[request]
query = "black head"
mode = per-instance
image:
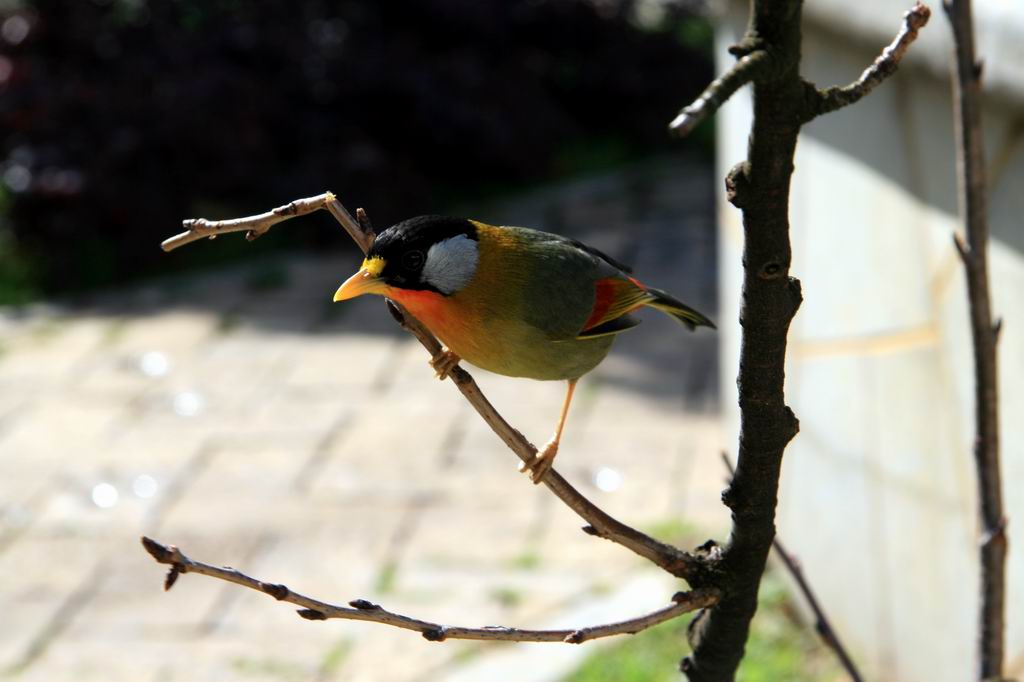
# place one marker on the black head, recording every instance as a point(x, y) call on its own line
point(409, 263)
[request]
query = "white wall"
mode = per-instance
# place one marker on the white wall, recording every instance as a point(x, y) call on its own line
point(878, 489)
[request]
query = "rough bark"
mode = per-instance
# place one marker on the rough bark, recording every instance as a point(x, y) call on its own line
point(760, 188)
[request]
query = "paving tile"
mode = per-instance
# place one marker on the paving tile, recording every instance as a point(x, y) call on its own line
point(53, 349)
point(47, 579)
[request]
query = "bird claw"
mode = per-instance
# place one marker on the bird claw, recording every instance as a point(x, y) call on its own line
point(444, 363)
point(539, 466)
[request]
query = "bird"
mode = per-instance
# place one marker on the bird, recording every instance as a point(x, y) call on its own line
point(511, 300)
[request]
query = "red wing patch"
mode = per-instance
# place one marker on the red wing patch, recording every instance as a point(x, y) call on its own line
point(614, 297)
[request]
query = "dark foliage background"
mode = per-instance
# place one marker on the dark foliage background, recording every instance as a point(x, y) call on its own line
point(120, 118)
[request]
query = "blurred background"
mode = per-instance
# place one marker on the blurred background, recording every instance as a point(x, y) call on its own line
point(122, 116)
point(215, 398)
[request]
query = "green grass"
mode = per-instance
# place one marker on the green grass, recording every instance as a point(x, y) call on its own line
point(466, 652)
point(114, 331)
point(528, 560)
point(674, 531)
point(386, 577)
point(269, 668)
point(335, 658)
point(19, 273)
point(697, 34)
point(508, 597)
point(651, 656)
point(779, 649)
point(228, 323)
point(48, 330)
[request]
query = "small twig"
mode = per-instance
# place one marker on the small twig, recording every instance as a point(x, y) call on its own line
point(745, 70)
point(255, 226)
point(821, 622)
point(673, 560)
point(971, 182)
point(884, 66)
point(361, 609)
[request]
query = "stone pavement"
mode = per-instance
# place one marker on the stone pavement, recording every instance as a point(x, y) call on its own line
point(247, 419)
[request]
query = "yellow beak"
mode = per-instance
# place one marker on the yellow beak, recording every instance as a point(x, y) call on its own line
point(366, 281)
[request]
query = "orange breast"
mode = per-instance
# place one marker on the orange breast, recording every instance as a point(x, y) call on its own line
point(455, 325)
point(426, 306)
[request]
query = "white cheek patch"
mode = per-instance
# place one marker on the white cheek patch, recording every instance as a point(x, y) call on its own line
point(451, 264)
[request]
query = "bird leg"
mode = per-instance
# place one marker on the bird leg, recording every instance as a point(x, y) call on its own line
point(443, 363)
point(541, 463)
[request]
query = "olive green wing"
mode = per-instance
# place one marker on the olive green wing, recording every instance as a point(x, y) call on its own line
point(573, 291)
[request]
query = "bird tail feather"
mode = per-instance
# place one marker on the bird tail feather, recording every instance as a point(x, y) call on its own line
point(677, 309)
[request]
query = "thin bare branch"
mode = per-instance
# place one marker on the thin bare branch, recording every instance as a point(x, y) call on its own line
point(361, 232)
point(361, 609)
point(745, 70)
point(255, 226)
point(835, 97)
point(984, 336)
point(821, 622)
point(673, 560)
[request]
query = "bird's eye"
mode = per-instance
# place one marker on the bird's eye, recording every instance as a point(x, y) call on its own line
point(413, 260)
